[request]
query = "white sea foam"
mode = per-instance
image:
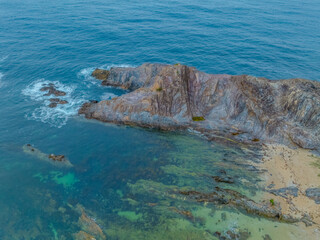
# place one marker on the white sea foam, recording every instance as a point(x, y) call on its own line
point(3, 58)
point(1, 83)
point(59, 115)
point(108, 96)
point(85, 74)
point(1, 74)
point(109, 66)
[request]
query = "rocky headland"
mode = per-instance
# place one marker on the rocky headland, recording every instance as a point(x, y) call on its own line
point(280, 116)
point(243, 108)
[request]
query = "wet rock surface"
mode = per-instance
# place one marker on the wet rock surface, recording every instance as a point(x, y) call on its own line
point(51, 90)
point(100, 74)
point(231, 234)
point(284, 192)
point(55, 101)
point(81, 235)
point(57, 160)
point(267, 237)
point(233, 198)
point(243, 108)
point(88, 226)
point(86, 106)
point(314, 193)
point(223, 177)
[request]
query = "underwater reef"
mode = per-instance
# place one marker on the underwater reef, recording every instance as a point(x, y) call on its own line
point(243, 108)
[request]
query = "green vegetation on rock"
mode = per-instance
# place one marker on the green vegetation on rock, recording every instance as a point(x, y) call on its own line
point(198, 118)
point(272, 202)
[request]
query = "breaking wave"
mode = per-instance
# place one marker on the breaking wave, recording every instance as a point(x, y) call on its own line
point(59, 115)
point(108, 96)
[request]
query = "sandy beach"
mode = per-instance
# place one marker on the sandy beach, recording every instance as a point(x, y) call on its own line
point(299, 168)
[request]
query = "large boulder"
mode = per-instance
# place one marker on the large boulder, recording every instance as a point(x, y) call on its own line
point(100, 74)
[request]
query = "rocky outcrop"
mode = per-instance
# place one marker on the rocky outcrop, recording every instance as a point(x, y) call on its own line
point(314, 193)
point(56, 160)
point(55, 101)
point(285, 192)
point(81, 235)
point(89, 228)
point(221, 196)
point(51, 90)
point(243, 108)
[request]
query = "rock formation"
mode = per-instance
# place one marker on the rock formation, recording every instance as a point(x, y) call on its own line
point(55, 101)
point(56, 160)
point(51, 90)
point(243, 108)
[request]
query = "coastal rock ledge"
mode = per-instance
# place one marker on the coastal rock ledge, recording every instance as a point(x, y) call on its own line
point(243, 108)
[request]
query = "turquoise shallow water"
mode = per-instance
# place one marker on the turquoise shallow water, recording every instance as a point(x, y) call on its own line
point(120, 174)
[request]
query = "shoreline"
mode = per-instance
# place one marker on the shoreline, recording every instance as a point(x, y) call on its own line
point(294, 169)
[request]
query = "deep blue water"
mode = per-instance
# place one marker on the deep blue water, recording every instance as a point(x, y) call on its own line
point(61, 42)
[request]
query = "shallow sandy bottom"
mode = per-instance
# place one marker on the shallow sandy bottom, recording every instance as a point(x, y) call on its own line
point(293, 167)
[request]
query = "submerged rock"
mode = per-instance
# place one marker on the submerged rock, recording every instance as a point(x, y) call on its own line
point(57, 160)
point(267, 237)
point(51, 90)
point(184, 213)
point(232, 234)
point(81, 235)
point(55, 101)
point(88, 224)
point(233, 198)
point(223, 177)
point(244, 108)
point(284, 192)
point(314, 193)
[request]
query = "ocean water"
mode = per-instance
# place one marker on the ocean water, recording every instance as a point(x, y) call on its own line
point(126, 179)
